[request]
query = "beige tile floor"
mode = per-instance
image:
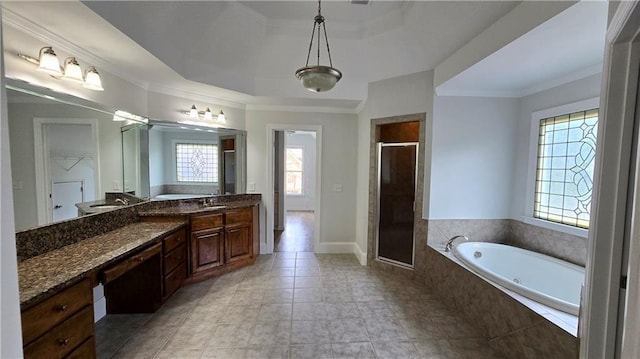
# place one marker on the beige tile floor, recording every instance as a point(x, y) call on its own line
point(296, 305)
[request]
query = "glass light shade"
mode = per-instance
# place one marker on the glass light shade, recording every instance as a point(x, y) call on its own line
point(193, 113)
point(208, 115)
point(221, 117)
point(92, 80)
point(318, 78)
point(49, 62)
point(72, 70)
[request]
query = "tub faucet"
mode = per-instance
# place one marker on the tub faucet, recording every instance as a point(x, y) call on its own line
point(447, 248)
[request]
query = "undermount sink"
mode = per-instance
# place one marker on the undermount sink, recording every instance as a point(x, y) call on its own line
point(105, 206)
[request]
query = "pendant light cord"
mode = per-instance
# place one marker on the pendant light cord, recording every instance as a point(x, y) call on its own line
point(319, 20)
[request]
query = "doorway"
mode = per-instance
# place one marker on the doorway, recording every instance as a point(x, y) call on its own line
point(293, 203)
point(294, 190)
point(66, 166)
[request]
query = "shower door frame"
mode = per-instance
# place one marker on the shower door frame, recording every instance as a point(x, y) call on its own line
point(415, 190)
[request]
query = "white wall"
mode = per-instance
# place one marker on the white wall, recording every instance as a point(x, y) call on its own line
point(305, 202)
point(472, 157)
point(397, 96)
point(339, 132)
point(572, 92)
point(10, 334)
point(156, 157)
point(22, 152)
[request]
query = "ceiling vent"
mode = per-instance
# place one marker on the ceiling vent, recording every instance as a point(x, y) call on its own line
point(360, 2)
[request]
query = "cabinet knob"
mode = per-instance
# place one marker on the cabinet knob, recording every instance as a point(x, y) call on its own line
point(63, 342)
point(61, 308)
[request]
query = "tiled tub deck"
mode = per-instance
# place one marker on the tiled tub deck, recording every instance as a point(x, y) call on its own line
point(514, 325)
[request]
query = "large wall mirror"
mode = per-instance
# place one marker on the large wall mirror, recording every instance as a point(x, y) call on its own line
point(67, 150)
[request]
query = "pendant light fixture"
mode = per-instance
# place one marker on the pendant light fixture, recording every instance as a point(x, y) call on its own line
point(318, 78)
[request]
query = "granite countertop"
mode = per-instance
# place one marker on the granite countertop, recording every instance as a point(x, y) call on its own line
point(44, 275)
point(189, 208)
point(98, 206)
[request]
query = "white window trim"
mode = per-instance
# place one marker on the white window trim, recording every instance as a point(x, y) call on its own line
point(533, 156)
point(304, 177)
point(174, 169)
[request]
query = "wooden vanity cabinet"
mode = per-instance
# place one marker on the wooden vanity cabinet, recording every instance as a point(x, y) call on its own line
point(61, 326)
point(175, 262)
point(237, 235)
point(223, 241)
point(207, 242)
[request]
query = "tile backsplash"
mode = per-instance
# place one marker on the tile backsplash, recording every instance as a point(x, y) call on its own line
point(508, 231)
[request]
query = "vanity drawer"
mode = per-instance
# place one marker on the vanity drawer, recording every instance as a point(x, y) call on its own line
point(174, 280)
point(85, 350)
point(63, 338)
point(206, 221)
point(173, 240)
point(236, 216)
point(175, 258)
point(44, 316)
point(128, 264)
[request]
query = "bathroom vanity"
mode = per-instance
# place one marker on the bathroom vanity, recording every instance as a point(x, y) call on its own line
point(143, 255)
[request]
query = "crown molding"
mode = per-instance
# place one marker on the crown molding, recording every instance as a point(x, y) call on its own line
point(199, 97)
point(33, 29)
point(304, 109)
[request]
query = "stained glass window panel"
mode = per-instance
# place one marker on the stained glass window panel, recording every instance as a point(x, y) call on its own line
point(564, 176)
point(196, 162)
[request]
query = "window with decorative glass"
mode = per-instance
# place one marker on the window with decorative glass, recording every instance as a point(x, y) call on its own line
point(565, 165)
point(294, 166)
point(197, 162)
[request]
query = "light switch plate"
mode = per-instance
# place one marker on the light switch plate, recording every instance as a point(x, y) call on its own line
point(251, 186)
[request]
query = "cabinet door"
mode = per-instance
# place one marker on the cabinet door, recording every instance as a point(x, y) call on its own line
point(238, 242)
point(206, 249)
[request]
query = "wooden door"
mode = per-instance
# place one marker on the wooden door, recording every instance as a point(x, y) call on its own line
point(207, 249)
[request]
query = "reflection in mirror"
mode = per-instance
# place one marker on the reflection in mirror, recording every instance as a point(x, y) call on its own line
point(64, 150)
point(193, 161)
point(135, 159)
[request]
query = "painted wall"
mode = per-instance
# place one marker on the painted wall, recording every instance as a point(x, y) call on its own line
point(397, 96)
point(10, 336)
point(472, 157)
point(305, 202)
point(572, 92)
point(22, 152)
point(339, 132)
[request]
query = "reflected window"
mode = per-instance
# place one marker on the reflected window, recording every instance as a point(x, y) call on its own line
point(196, 162)
point(294, 172)
point(565, 166)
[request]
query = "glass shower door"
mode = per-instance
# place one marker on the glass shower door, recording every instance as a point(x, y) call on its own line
point(396, 199)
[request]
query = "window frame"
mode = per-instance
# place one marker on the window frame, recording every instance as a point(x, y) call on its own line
point(302, 171)
point(536, 117)
point(174, 163)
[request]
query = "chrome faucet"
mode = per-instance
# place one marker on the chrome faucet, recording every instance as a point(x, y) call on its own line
point(124, 202)
point(447, 248)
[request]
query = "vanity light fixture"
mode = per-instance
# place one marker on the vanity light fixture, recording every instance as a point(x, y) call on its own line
point(205, 115)
point(193, 113)
point(47, 62)
point(72, 71)
point(318, 78)
point(92, 80)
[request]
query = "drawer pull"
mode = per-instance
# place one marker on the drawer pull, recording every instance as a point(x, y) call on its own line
point(139, 259)
point(63, 342)
point(62, 308)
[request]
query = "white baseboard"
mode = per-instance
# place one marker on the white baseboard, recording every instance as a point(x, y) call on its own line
point(336, 247)
point(360, 254)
